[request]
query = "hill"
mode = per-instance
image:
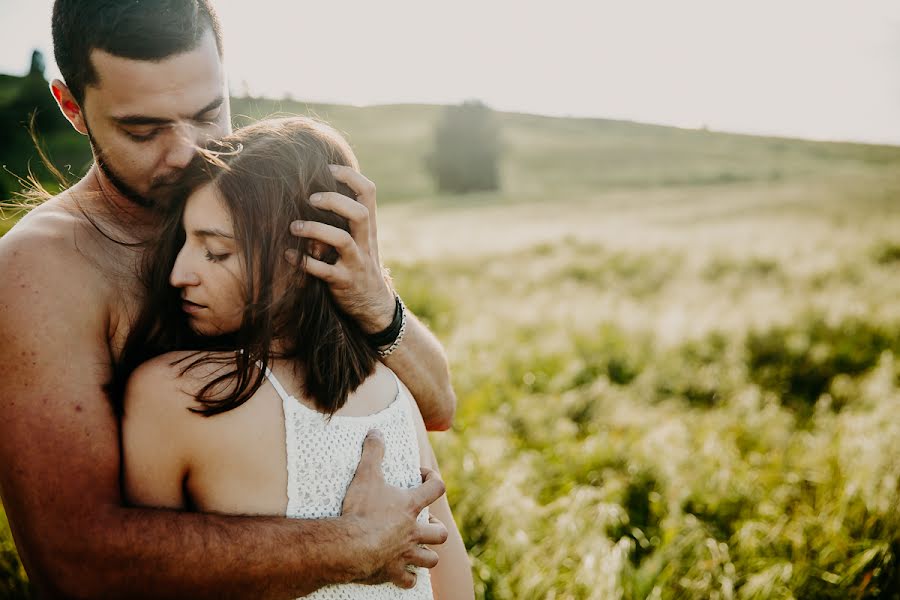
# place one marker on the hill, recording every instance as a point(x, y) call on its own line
point(543, 155)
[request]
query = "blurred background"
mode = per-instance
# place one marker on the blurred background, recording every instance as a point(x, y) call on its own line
point(661, 245)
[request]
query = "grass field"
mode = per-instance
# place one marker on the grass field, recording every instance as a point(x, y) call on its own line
point(676, 353)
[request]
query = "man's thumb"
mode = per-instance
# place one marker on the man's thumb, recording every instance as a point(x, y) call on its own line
point(372, 451)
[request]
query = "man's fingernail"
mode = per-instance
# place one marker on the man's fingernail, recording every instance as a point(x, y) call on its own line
point(297, 226)
point(333, 168)
point(315, 198)
point(375, 434)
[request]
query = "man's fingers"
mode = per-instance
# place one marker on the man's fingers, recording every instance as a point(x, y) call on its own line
point(404, 579)
point(348, 208)
point(327, 234)
point(356, 181)
point(372, 452)
point(423, 556)
point(431, 489)
point(356, 214)
point(433, 533)
point(330, 274)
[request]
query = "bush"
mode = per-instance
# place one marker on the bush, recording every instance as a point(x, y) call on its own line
point(887, 253)
point(800, 363)
point(466, 150)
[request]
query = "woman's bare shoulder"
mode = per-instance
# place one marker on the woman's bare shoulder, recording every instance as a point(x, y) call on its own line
point(168, 383)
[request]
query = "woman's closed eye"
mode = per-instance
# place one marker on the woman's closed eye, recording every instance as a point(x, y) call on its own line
point(216, 257)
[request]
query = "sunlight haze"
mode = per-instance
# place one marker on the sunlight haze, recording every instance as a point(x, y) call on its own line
point(821, 70)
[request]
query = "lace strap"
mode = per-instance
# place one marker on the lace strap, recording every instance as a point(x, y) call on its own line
point(279, 389)
point(400, 392)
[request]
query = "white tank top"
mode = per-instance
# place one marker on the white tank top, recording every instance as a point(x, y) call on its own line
point(322, 456)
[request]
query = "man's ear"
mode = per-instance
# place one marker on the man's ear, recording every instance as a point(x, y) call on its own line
point(69, 107)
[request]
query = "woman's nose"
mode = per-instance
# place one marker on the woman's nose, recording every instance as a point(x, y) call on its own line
point(182, 274)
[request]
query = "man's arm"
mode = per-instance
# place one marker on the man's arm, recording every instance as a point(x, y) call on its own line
point(358, 286)
point(59, 471)
point(421, 364)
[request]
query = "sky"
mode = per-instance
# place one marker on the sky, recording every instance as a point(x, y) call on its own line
point(818, 69)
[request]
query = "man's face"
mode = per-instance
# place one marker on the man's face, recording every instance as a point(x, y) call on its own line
point(145, 119)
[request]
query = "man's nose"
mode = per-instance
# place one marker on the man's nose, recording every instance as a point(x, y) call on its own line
point(182, 274)
point(184, 143)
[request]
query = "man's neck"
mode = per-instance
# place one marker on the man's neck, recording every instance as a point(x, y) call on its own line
point(101, 199)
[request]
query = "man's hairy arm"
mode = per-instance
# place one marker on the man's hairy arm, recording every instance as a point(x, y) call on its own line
point(59, 466)
point(420, 362)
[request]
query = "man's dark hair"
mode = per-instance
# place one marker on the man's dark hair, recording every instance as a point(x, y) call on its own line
point(137, 29)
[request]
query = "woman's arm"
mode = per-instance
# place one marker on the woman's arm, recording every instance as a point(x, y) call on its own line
point(452, 577)
point(154, 471)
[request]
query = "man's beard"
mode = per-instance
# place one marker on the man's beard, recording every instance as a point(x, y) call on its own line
point(127, 190)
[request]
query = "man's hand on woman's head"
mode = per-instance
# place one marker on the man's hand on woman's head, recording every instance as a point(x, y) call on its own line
point(387, 517)
point(356, 279)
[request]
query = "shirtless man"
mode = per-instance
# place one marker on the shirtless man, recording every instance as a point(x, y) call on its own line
point(145, 82)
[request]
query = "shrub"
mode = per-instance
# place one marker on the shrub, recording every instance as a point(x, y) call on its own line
point(466, 150)
point(800, 362)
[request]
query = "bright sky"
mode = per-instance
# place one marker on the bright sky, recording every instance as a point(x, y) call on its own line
point(822, 69)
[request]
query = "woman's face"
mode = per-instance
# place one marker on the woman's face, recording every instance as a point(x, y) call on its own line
point(209, 270)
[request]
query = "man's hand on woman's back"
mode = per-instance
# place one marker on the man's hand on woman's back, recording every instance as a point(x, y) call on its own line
point(387, 515)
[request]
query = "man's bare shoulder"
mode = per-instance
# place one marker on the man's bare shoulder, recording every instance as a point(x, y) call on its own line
point(46, 241)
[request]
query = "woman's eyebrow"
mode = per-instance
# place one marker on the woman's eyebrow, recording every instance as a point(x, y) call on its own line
point(212, 232)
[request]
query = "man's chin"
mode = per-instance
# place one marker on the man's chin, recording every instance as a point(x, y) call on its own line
point(164, 196)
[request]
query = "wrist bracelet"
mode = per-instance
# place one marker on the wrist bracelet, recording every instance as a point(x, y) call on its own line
point(384, 352)
point(392, 332)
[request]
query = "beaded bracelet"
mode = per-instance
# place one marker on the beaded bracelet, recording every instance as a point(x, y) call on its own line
point(386, 341)
point(387, 351)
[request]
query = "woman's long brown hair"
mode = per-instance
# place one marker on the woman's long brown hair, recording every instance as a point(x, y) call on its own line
point(264, 174)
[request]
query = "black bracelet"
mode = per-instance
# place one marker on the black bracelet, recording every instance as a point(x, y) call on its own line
point(389, 335)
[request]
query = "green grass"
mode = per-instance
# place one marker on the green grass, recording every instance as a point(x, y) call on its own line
point(675, 353)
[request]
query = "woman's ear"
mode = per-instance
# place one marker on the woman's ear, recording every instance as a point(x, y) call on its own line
point(71, 110)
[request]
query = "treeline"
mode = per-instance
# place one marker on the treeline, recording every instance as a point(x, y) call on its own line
point(464, 154)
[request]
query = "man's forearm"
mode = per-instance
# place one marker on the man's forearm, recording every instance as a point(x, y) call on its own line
point(421, 364)
point(158, 553)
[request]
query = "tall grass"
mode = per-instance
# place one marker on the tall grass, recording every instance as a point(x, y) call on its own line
point(676, 353)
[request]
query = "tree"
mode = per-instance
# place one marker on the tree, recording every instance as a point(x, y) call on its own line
point(466, 152)
point(33, 98)
point(38, 64)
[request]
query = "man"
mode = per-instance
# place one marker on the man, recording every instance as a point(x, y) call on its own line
point(144, 82)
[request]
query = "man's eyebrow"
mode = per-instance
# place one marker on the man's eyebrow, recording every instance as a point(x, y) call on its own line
point(211, 106)
point(147, 120)
point(212, 232)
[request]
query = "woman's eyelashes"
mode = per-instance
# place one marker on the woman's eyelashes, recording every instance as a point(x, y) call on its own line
point(216, 257)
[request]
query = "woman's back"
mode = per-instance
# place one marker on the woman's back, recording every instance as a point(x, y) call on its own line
point(246, 448)
point(277, 455)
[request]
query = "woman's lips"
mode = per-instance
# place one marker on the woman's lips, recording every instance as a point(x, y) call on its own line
point(191, 307)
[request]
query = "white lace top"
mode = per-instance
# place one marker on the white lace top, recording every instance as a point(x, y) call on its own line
point(322, 456)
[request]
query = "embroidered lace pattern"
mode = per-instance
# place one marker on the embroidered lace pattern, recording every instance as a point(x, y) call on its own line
point(322, 456)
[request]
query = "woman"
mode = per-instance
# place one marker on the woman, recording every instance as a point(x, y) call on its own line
point(261, 391)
